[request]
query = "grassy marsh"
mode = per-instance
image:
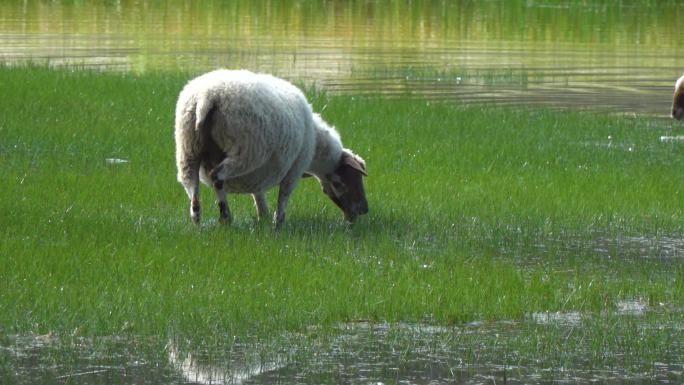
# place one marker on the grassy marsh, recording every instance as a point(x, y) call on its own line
point(478, 213)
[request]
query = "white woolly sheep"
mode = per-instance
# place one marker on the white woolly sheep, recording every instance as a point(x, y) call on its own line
point(241, 132)
point(678, 99)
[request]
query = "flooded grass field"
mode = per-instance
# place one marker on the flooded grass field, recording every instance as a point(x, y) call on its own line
point(509, 241)
point(533, 261)
point(564, 348)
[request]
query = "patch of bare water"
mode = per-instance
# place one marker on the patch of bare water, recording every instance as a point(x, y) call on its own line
point(625, 307)
point(659, 249)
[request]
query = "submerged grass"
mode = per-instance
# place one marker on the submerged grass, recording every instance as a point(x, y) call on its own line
point(477, 213)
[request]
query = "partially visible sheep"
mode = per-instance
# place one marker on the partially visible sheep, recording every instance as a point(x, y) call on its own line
point(242, 132)
point(678, 99)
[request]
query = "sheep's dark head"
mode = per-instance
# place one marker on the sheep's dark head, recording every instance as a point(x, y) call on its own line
point(678, 99)
point(345, 185)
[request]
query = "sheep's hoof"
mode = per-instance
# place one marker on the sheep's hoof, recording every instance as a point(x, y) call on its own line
point(225, 220)
point(195, 216)
point(278, 221)
point(195, 209)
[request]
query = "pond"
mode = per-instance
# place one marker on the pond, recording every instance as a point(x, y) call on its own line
point(620, 57)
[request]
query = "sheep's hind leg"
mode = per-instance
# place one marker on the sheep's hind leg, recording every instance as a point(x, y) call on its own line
point(227, 169)
point(195, 206)
point(188, 176)
point(224, 211)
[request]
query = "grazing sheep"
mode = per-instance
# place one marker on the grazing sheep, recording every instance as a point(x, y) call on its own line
point(242, 132)
point(678, 99)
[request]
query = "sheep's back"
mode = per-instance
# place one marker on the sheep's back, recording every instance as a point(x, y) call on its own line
point(262, 124)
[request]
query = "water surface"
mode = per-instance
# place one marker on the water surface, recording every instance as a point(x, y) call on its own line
point(617, 56)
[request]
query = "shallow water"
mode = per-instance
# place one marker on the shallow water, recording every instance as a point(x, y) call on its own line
point(622, 57)
point(545, 348)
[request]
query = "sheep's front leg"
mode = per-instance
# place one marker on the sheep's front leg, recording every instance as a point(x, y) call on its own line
point(224, 211)
point(260, 204)
point(286, 188)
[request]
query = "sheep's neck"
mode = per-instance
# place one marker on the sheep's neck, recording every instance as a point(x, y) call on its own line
point(326, 157)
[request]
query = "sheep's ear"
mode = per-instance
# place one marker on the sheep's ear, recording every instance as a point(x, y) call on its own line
point(354, 161)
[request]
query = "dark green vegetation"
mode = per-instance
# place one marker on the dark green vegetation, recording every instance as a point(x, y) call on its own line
point(478, 213)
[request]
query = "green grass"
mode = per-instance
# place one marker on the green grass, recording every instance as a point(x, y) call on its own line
point(474, 211)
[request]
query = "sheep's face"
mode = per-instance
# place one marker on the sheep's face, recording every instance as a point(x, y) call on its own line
point(678, 100)
point(345, 186)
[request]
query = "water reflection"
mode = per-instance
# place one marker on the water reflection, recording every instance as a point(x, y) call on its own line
point(622, 56)
point(624, 247)
point(240, 366)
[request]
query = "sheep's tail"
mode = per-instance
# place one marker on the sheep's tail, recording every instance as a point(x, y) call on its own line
point(203, 107)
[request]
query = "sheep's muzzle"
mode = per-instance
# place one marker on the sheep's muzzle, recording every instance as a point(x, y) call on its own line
point(355, 209)
point(345, 188)
point(352, 201)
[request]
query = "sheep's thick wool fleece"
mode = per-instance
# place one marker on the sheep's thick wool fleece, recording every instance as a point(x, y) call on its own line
point(262, 124)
